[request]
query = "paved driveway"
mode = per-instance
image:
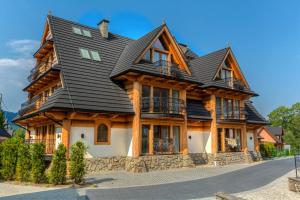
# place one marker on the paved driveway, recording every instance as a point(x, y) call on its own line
point(238, 181)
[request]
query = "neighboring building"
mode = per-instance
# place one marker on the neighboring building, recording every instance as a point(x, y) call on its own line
point(4, 135)
point(131, 98)
point(269, 134)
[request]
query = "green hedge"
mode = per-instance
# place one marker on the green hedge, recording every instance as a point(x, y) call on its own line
point(9, 156)
point(38, 162)
point(77, 164)
point(23, 163)
point(58, 170)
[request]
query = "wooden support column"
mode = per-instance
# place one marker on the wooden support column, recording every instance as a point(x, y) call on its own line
point(223, 139)
point(65, 135)
point(185, 149)
point(151, 136)
point(136, 132)
point(214, 134)
point(27, 133)
point(244, 138)
point(255, 137)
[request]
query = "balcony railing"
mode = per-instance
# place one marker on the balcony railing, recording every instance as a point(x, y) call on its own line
point(233, 83)
point(232, 115)
point(162, 105)
point(169, 68)
point(38, 70)
point(30, 105)
point(49, 144)
point(35, 103)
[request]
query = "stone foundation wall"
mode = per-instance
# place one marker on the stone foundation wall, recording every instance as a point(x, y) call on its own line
point(96, 165)
point(157, 162)
point(221, 159)
point(164, 162)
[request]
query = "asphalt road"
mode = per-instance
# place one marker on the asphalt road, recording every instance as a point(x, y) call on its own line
point(234, 182)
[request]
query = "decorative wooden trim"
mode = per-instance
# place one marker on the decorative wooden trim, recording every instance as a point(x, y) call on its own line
point(107, 123)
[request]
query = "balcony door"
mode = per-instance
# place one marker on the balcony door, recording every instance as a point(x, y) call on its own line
point(161, 100)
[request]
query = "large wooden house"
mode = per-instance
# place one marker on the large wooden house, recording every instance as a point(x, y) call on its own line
point(137, 99)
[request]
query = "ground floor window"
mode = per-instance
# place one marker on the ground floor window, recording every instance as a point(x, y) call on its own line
point(165, 139)
point(232, 140)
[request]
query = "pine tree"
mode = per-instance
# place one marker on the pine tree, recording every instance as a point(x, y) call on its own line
point(2, 120)
point(58, 170)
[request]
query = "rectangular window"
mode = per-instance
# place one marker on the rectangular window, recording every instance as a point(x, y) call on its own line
point(219, 137)
point(146, 98)
point(86, 33)
point(77, 30)
point(176, 139)
point(218, 107)
point(145, 139)
point(95, 55)
point(85, 53)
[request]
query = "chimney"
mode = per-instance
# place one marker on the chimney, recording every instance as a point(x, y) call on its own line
point(103, 27)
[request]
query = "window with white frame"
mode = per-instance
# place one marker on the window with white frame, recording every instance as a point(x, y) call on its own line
point(90, 54)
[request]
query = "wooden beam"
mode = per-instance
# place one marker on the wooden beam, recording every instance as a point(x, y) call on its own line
point(136, 128)
point(66, 128)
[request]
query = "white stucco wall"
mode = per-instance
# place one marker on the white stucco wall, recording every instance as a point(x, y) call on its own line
point(119, 145)
point(200, 141)
point(250, 140)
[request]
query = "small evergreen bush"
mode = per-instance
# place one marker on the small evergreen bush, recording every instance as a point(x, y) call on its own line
point(9, 154)
point(23, 163)
point(77, 164)
point(58, 169)
point(38, 162)
point(268, 150)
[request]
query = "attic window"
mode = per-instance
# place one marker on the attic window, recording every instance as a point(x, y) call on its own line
point(80, 31)
point(90, 54)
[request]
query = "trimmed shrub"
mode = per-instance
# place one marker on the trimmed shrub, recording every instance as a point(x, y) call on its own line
point(77, 164)
point(58, 169)
point(9, 156)
point(38, 162)
point(23, 163)
point(268, 150)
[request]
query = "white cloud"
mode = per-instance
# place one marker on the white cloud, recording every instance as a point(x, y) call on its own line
point(23, 63)
point(25, 47)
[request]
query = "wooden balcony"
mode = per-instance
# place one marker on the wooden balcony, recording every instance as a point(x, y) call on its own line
point(232, 115)
point(233, 83)
point(39, 70)
point(162, 107)
point(49, 144)
point(169, 69)
point(34, 104)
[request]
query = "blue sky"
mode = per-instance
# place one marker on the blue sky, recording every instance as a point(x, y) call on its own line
point(264, 35)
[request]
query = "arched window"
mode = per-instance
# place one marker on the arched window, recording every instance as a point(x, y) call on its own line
point(102, 134)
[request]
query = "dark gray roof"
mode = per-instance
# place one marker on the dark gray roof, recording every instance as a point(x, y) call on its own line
point(205, 67)
point(196, 110)
point(4, 133)
point(87, 85)
point(252, 115)
point(134, 49)
point(276, 131)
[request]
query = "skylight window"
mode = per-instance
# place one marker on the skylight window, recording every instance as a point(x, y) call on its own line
point(85, 53)
point(80, 31)
point(95, 55)
point(86, 33)
point(77, 30)
point(89, 54)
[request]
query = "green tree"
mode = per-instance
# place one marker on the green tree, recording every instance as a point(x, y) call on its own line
point(38, 162)
point(23, 162)
point(289, 119)
point(77, 164)
point(9, 156)
point(58, 170)
point(20, 132)
point(2, 119)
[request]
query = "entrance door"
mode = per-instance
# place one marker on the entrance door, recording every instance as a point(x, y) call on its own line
point(250, 141)
point(58, 137)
